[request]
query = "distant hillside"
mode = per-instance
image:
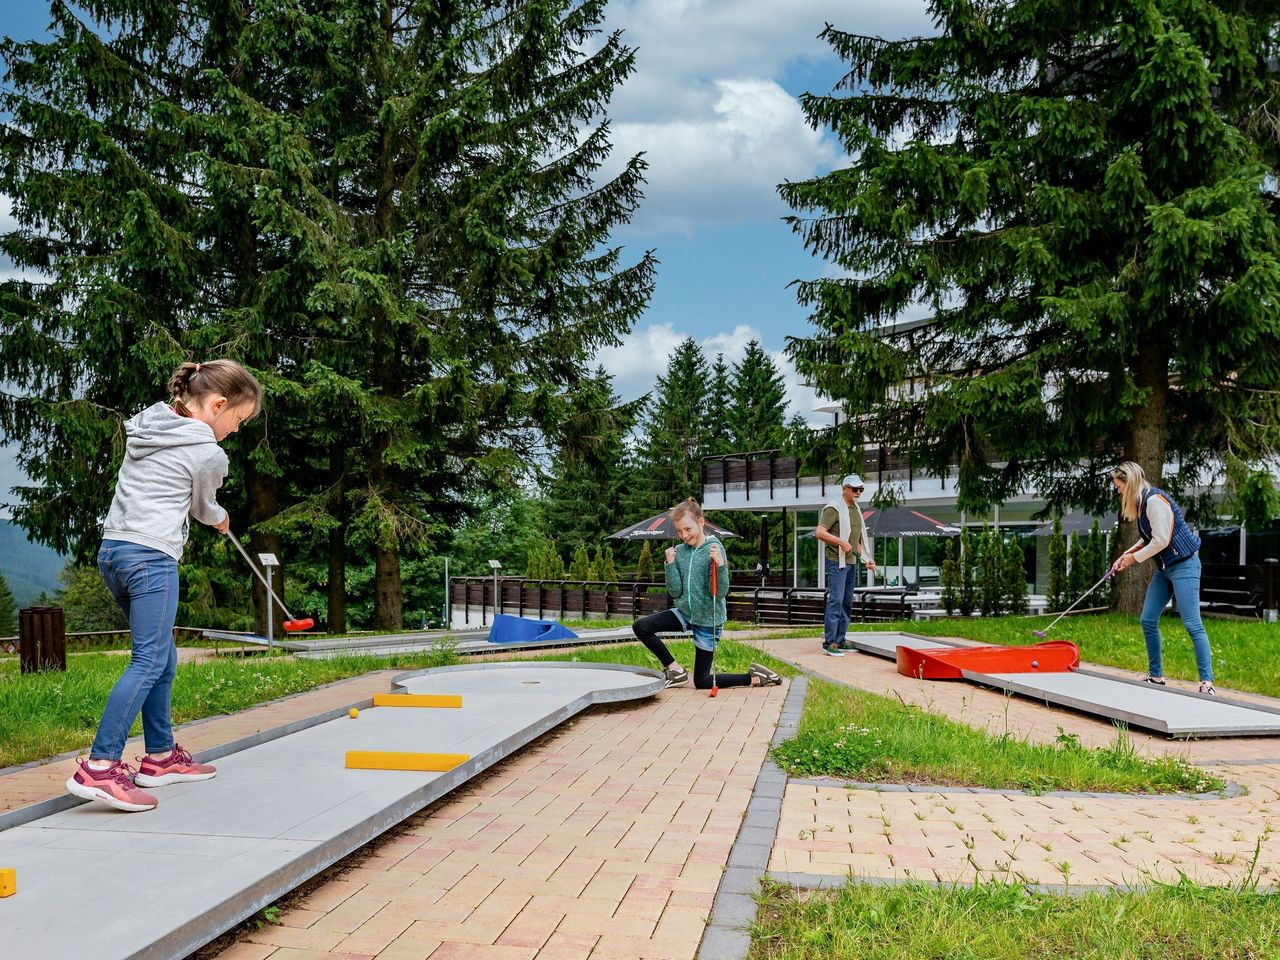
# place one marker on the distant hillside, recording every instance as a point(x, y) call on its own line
point(27, 567)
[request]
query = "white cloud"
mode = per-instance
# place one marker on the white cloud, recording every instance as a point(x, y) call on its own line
point(705, 105)
point(722, 159)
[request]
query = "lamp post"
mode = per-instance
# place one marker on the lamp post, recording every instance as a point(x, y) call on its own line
point(497, 603)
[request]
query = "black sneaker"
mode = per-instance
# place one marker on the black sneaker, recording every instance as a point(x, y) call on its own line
point(767, 677)
point(676, 675)
point(1158, 681)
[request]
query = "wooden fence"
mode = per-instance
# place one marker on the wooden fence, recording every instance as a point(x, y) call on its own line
point(583, 599)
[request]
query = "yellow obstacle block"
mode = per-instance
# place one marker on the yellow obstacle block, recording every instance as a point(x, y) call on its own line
point(391, 760)
point(417, 700)
point(8, 881)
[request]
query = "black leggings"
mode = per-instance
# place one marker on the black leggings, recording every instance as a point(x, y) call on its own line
point(647, 630)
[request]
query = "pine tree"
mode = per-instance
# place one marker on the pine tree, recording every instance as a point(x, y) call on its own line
point(8, 611)
point(758, 407)
point(555, 563)
point(644, 566)
point(1085, 198)
point(535, 567)
point(674, 432)
point(950, 578)
point(719, 410)
point(580, 566)
point(591, 477)
point(1015, 578)
point(1058, 584)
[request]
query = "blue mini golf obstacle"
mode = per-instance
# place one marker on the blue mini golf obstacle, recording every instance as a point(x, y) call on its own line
point(509, 629)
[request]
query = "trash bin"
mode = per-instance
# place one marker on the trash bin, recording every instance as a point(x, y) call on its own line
point(42, 639)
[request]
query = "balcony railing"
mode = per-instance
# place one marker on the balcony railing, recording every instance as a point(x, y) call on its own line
point(772, 467)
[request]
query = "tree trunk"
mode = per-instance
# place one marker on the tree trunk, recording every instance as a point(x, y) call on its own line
point(264, 503)
point(1145, 446)
point(388, 603)
point(338, 543)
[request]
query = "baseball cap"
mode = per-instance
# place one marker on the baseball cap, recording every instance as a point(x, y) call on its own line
point(852, 480)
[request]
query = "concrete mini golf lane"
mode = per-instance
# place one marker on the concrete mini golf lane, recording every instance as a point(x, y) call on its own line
point(1173, 712)
point(160, 884)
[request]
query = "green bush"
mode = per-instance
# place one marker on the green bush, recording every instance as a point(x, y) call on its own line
point(644, 566)
point(1015, 578)
point(950, 577)
point(1057, 568)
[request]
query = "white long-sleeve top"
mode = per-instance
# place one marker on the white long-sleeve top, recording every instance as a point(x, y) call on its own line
point(1160, 516)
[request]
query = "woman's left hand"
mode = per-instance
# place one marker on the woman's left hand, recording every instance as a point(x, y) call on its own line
point(716, 555)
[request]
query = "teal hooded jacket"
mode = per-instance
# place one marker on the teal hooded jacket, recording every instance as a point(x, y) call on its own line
point(689, 582)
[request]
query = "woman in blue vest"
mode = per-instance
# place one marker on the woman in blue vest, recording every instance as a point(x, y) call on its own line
point(1168, 540)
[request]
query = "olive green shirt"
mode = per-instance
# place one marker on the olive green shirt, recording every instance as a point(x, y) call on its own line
point(830, 518)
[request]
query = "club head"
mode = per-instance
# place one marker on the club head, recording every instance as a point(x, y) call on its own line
point(306, 623)
point(1038, 633)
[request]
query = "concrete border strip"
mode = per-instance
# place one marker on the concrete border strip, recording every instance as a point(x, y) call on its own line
point(728, 936)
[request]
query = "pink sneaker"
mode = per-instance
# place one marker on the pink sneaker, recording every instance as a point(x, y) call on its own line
point(178, 767)
point(113, 786)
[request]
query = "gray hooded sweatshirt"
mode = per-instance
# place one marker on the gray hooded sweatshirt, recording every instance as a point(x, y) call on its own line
point(172, 467)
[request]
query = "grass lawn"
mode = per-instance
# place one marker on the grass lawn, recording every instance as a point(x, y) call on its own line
point(1246, 653)
point(998, 921)
point(864, 736)
point(45, 714)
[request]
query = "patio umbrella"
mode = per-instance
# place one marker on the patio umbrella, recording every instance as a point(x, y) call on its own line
point(905, 522)
point(662, 527)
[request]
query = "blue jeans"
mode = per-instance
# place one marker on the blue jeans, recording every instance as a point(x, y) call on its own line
point(145, 584)
point(1182, 581)
point(840, 587)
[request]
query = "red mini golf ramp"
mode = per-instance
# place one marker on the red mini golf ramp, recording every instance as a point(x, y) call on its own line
point(951, 663)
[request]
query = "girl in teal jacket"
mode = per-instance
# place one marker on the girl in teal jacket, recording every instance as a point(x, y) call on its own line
point(698, 609)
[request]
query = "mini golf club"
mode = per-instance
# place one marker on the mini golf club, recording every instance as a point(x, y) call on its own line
point(292, 624)
point(1105, 577)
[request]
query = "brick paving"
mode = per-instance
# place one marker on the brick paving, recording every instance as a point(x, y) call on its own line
point(1040, 839)
point(604, 839)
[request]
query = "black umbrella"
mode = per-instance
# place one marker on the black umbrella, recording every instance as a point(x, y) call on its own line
point(662, 527)
point(905, 522)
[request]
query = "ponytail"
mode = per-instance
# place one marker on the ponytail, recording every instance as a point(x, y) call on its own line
point(191, 381)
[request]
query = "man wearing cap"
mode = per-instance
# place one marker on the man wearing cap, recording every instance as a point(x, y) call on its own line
point(844, 533)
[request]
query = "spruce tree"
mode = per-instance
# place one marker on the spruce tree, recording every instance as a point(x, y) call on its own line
point(1084, 199)
point(591, 478)
point(1078, 571)
point(673, 433)
point(758, 406)
point(990, 573)
point(719, 407)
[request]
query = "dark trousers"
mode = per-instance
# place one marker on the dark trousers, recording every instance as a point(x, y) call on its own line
point(647, 630)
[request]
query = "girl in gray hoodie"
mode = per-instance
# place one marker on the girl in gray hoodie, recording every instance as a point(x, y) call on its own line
point(172, 470)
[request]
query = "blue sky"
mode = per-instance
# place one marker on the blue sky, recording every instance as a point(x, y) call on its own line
point(713, 106)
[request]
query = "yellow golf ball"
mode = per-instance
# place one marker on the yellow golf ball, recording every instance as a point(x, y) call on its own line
point(353, 713)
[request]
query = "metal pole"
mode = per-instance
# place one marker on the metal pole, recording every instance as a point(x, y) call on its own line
point(448, 602)
point(497, 602)
point(271, 622)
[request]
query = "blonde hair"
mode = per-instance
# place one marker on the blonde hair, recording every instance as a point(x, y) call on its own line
point(191, 381)
point(687, 506)
point(1135, 485)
